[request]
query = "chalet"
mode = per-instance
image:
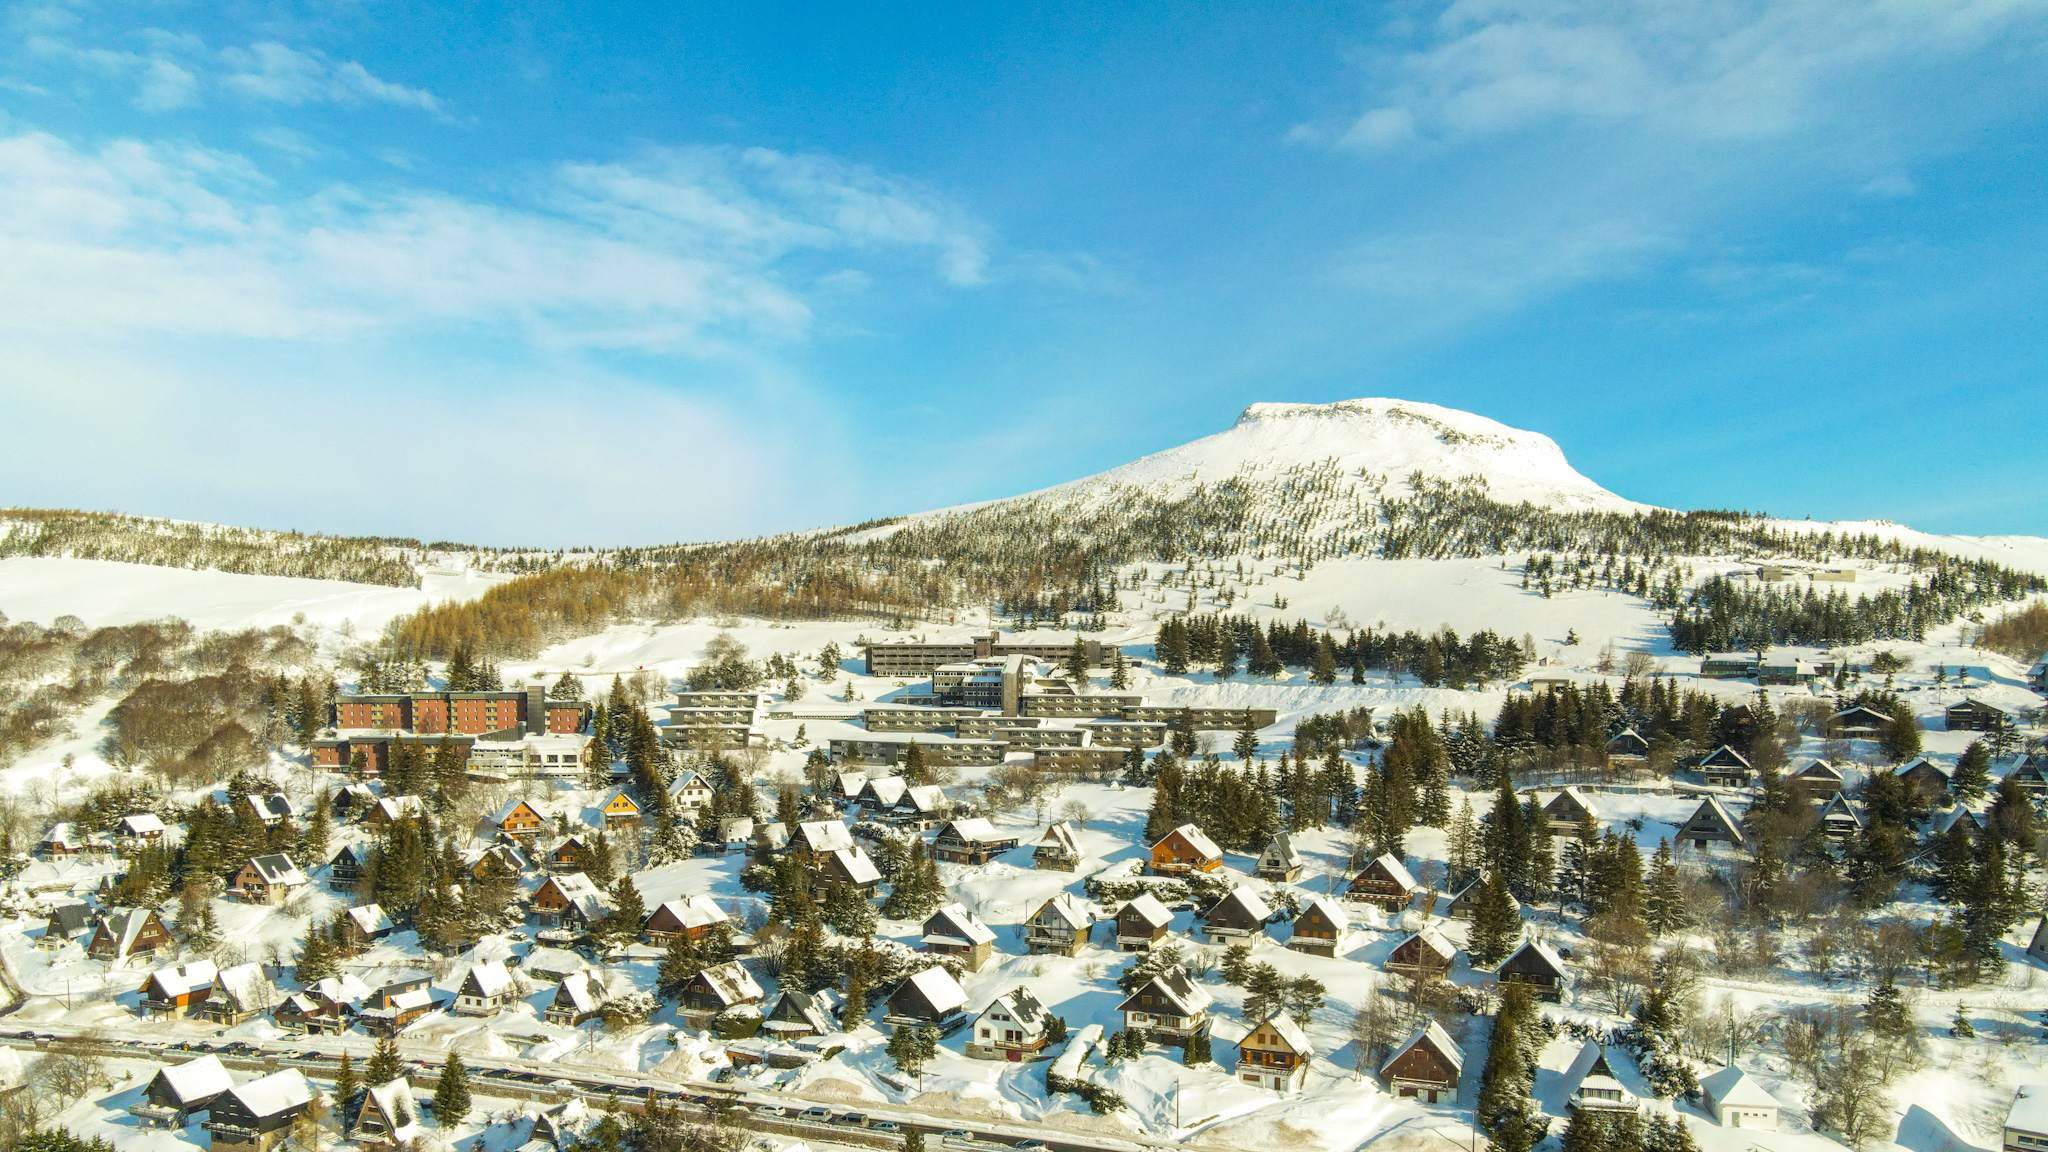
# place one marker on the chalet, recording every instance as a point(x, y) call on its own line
point(486, 988)
point(924, 805)
point(1275, 1055)
point(565, 894)
point(928, 997)
point(1839, 820)
point(1957, 814)
point(267, 880)
point(847, 787)
point(1929, 778)
point(240, 993)
point(970, 841)
point(500, 861)
point(364, 926)
point(1385, 882)
point(257, 1116)
point(1710, 822)
point(1168, 1008)
point(141, 828)
point(67, 922)
point(1535, 965)
point(520, 818)
point(618, 809)
point(1736, 1100)
point(176, 991)
point(794, 1015)
point(1061, 925)
point(1184, 850)
point(1426, 1067)
point(954, 931)
point(720, 987)
point(351, 801)
point(692, 916)
point(1974, 715)
point(1239, 914)
point(1424, 954)
point(1465, 904)
point(384, 1116)
point(1011, 1028)
point(392, 809)
point(395, 1006)
point(327, 1007)
point(1057, 850)
point(567, 855)
point(1861, 722)
point(821, 838)
point(1566, 809)
point(1319, 929)
point(1627, 748)
point(579, 997)
point(734, 833)
point(1724, 767)
point(175, 1093)
point(2026, 1120)
point(60, 842)
point(1279, 861)
point(691, 792)
point(346, 868)
point(2031, 774)
point(1591, 1084)
point(850, 866)
point(1784, 669)
point(771, 839)
point(272, 810)
point(1141, 923)
point(1815, 782)
point(125, 934)
point(880, 794)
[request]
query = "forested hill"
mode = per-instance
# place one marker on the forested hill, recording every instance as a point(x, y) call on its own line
point(176, 544)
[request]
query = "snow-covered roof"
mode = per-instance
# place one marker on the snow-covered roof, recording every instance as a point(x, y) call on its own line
point(824, 836)
point(273, 1094)
point(1179, 990)
point(954, 924)
point(1582, 1073)
point(370, 919)
point(546, 962)
point(1731, 1085)
point(278, 870)
point(490, 978)
point(696, 911)
point(1396, 871)
point(939, 989)
point(394, 1099)
point(924, 798)
point(1818, 770)
point(1196, 839)
point(1289, 1032)
point(126, 924)
point(196, 1079)
point(731, 982)
point(185, 978)
point(811, 1009)
point(399, 807)
point(1069, 908)
point(60, 834)
point(2029, 1111)
point(851, 783)
point(1147, 905)
point(1059, 836)
point(1331, 910)
point(1438, 1039)
point(510, 806)
point(141, 824)
point(347, 988)
point(859, 869)
point(582, 992)
point(975, 830)
point(573, 886)
point(1244, 898)
point(1542, 950)
point(1281, 849)
point(1021, 1006)
point(886, 790)
point(1433, 940)
point(1923, 762)
point(245, 986)
point(1577, 797)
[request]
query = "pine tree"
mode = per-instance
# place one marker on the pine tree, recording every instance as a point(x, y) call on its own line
point(316, 960)
point(622, 925)
point(344, 1081)
point(1972, 777)
point(1664, 903)
point(1077, 664)
point(1246, 745)
point(568, 687)
point(1323, 669)
point(1119, 671)
point(1196, 1054)
point(1358, 668)
point(913, 1138)
point(855, 1012)
point(1462, 847)
point(915, 771)
point(1496, 923)
point(1959, 1025)
point(384, 1065)
point(1954, 864)
point(680, 963)
point(451, 1094)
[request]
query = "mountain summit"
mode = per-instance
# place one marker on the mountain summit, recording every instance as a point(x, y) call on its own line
point(1383, 440)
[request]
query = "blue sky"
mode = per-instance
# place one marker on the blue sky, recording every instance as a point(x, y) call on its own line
point(534, 274)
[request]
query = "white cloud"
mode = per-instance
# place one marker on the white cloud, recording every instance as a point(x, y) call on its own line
point(274, 72)
point(166, 87)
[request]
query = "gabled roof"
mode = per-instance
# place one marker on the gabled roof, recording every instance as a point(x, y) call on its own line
point(274, 1094)
point(1020, 1005)
point(370, 919)
point(803, 1006)
point(347, 988)
point(71, 919)
point(859, 869)
point(1840, 806)
point(61, 835)
point(1915, 765)
point(1819, 770)
point(851, 783)
point(1178, 989)
point(939, 990)
point(1725, 757)
point(126, 925)
point(582, 992)
point(277, 869)
point(1626, 734)
point(1395, 870)
point(973, 830)
point(687, 779)
point(1146, 905)
point(488, 979)
point(1590, 1067)
point(399, 807)
point(615, 796)
point(1195, 839)
point(1290, 1033)
point(886, 790)
point(823, 836)
point(1281, 850)
point(1059, 836)
point(349, 853)
point(1433, 1033)
point(196, 1080)
point(244, 987)
point(1541, 951)
point(1433, 940)
point(505, 813)
point(1716, 814)
point(1066, 906)
point(1577, 797)
point(954, 924)
point(1943, 821)
point(141, 824)
point(572, 886)
point(1731, 1085)
point(274, 806)
point(691, 912)
point(1246, 902)
point(924, 798)
point(1331, 910)
point(731, 983)
point(185, 979)
point(395, 1101)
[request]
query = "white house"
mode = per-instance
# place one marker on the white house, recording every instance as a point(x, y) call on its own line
point(1736, 1100)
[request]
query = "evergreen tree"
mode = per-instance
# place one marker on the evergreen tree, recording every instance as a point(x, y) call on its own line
point(1506, 1113)
point(1972, 777)
point(1496, 924)
point(451, 1094)
point(345, 1081)
point(1664, 903)
point(913, 1138)
point(317, 960)
point(1323, 669)
point(1959, 1025)
point(384, 1065)
point(622, 925)
point(1246, 744)
point(855, 1011)
point(681, 961)
point(1196, 1054)
point(567, 687)
point(1077, 665)
point(1119, 671)
point(916, 773)
point(1955, 863)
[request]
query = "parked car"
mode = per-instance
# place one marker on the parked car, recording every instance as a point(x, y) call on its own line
point(885, 1126)
point(816, 1115)
point(857, 1119)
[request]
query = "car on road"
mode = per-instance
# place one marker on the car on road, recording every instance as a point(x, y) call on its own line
point(856, 1119)
point(956, 1136)
point(1031, 1146)
point(816, 1115)
point(885, 1126)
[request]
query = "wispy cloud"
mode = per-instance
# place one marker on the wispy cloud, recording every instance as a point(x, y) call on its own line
point(274, 72)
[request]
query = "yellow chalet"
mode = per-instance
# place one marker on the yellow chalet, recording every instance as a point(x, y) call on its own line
point(519, 818)
point(619, 809)
point(1185, 849)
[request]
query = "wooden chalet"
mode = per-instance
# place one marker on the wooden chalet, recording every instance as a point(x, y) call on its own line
point(970, 841)
point(1426, 1067)
point(1426, 953)
point(485, 989)
point(500, 861)
point(850, 866)
point(346, 868)
point(1385, 882)
point(1839, 820)
point(394, 1007)
point(618, 809)
point(1465, 904)
point(924, 805)
point(1275, 1055)
point(563, 895)
point(520, 818)
point(383, 1116)
point(2031, 774)
point(1973, 715)
point(1060, 926)
point(239, 994)
point(391, 809)
point(928, 997)
point(177, 1093)
point(1710, 823)
point(1592, 1086)
point(2037, 946)
point(1565, 809)
point(1184, 850)
point(579, 997)
point(363, 926)
point(1929, 778)
point(954, 931)
point(61, 842)
point(1142, 922)
point(1012, 1028)
point(691, 792)
point(793, 1015)
point(1815, 781)
point(1238, 915)
point(1319, 929)
point(568, 855)
point(271, 810)
point(141, 829)
point(720, 987)
point(880, 794)
point(1958, 813)
point(1279, 861)
point(1724, 767)
point(847, 787)
point(820, 838)
point(267, 880)
point(124, 935)
point(1861, 722)
point(257, 1116)
point(67, 922)
point(176, 991)
point(1535, 965)
point(1168, 1008)
point(1627, 749)
point(1057, 850)
point(692, 916)
point(351, 801)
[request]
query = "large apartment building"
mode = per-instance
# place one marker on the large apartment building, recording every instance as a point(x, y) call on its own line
point(526, 711)
point(915, 661)
point(705, 721)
